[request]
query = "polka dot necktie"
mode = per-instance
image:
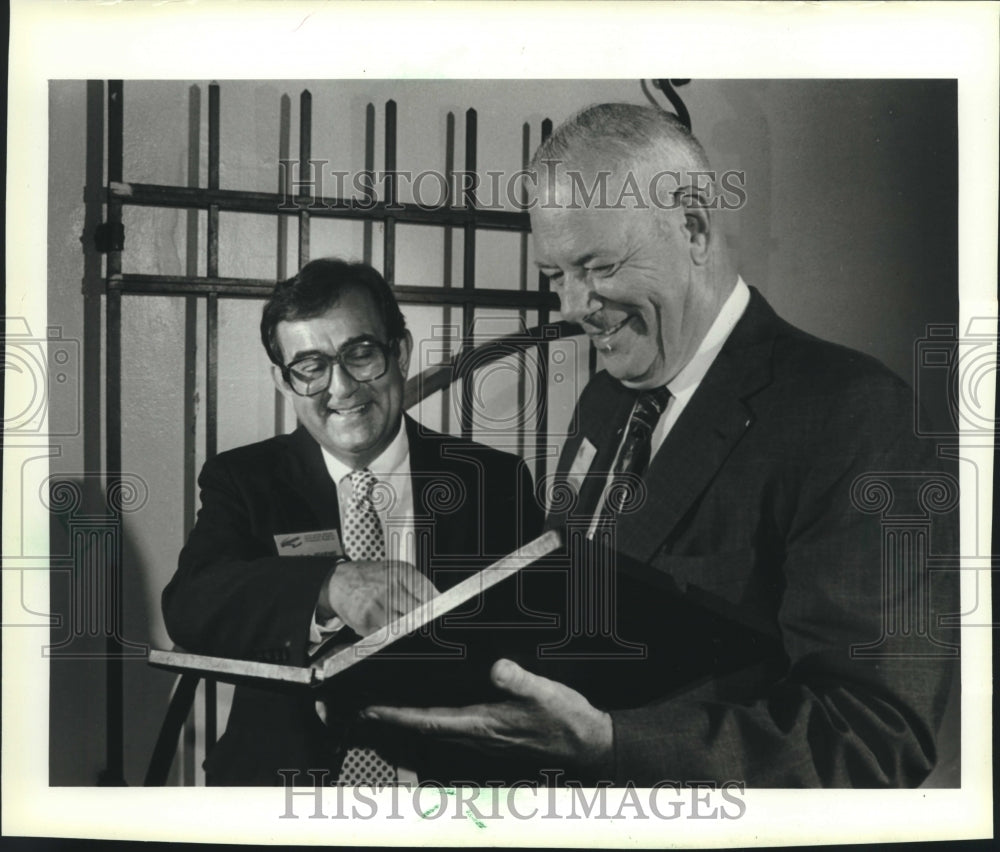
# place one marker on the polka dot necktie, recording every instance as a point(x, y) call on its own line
point(364, 540)
point(622, 494)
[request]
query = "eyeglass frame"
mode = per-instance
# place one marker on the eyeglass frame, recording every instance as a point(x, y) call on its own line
point(388, 350)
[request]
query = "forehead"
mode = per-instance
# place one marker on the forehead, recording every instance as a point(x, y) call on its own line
point(568, 231)
point(355, 314)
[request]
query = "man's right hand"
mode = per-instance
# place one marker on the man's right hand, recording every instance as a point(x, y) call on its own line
point(368, 595)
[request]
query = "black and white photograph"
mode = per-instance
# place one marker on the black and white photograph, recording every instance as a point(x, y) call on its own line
point(496, 455)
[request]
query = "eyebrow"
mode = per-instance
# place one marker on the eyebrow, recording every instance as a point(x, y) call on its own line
point(358, 338)
point(580, 261)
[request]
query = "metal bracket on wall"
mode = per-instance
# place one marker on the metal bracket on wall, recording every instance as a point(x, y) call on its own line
point(670, 92)
point(109, 236)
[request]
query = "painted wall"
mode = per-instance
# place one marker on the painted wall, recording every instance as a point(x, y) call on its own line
point(850, 230)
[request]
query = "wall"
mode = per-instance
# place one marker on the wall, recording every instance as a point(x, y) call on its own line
point(849, 230)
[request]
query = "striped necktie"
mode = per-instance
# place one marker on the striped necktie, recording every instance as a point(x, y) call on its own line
point(633, 459)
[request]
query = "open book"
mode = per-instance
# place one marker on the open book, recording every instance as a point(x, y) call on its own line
point(332, 663)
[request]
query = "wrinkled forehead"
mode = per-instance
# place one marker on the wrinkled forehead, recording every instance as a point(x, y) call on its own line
point(555, 181)
point(607, 182)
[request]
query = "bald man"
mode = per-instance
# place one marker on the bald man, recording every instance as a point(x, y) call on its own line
point(713, 471)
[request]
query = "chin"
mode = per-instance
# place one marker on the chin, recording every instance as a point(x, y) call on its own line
point(634, 378)
point(624, 369)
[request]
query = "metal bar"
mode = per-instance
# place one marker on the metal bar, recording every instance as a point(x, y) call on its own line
point(213, 136)
point(305, 162)
point(168, 285)
point(284, 156)
point(191, 314)
point(166, 743)
point(391, 194)
point(114, 771)
point(284, 181)
point(211, 713)
point(447, 260)
point(212, 374)
point(213, 178)
point(542, 364)
point(212, 348)
point(213, 242)
point(440, 376)
point(257, 288)
point(366, 209)
point(468, 267)
point(211, 447)
point(366, 249)
point(522, 272)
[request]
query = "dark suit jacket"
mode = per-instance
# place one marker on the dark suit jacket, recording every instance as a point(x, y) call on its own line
point(233, 596)
point(761, 571)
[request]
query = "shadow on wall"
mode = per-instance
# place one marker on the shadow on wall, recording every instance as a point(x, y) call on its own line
point(94, 652)
point(743, 141)
point(104, 708)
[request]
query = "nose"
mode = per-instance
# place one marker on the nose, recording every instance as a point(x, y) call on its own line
point(342, 385)
point(577, 298)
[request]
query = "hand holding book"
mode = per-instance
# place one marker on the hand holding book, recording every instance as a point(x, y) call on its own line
point(533, 714)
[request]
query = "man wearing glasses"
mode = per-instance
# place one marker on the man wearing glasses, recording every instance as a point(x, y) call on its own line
point(335, 530)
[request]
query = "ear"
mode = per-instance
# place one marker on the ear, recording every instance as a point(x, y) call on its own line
point(280, 383)
point(698, 222)
point(405, 350)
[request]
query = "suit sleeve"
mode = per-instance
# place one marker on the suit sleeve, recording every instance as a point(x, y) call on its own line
point(836, 717)
point(231, 596)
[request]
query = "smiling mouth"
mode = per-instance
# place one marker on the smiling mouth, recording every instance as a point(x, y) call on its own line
point(354, 409)
point(603, 339)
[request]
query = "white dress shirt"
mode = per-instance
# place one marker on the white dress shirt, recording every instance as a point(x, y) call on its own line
point(686, 382)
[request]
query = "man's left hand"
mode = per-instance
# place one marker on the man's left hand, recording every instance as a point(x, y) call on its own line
point(540, 716)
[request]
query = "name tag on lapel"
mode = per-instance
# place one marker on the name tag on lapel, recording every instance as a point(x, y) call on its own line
point(315, 543)
point(581, 464)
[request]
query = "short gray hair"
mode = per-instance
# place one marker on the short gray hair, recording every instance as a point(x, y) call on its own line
point(627, 133)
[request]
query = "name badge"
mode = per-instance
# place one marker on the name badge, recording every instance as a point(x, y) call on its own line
point(581, 464)
point(316, 543)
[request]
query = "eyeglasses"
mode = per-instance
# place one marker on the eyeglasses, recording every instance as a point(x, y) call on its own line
point(363, 361)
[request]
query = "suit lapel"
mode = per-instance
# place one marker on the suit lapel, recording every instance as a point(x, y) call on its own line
point(709, 428)
point(711, 425)
point(605, 432)
point(430, 471)
point(423, 462)
point(306, 474)
point(589, 451)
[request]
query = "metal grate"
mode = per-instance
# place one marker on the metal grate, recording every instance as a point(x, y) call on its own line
point(303, 207)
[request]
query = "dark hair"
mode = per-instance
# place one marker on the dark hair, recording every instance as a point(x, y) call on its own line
point(316, 289)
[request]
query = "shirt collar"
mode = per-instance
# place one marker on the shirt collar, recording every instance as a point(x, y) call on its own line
point(718, 333)
point(392, 460)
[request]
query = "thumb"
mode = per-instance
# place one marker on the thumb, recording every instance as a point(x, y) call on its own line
point(511, 678)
